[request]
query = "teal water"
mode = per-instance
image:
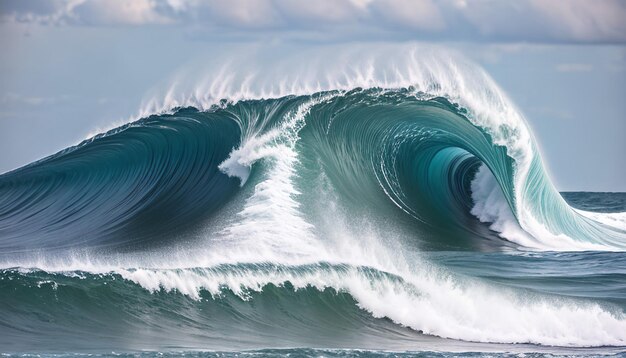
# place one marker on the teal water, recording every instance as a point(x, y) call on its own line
point(365, 222)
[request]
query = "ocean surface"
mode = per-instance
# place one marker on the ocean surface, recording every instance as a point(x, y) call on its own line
point(360, 221)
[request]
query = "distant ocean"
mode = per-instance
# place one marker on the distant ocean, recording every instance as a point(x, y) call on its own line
point(365, 221)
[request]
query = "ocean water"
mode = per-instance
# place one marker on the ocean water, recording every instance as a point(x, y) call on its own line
point(371, 220)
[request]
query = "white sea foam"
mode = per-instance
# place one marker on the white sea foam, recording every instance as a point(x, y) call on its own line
point(490, 206)
point(384, 282)
point(435, 303)
point(429, 70)
point(427, 299)
point(270, 227)
point(270, 220)
point(616, 220)
point(382, 279)
point(435, 71)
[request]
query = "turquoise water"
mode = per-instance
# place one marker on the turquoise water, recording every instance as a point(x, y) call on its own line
point(341, 223)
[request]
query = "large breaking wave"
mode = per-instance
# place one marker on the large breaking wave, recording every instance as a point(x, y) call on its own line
point(333, 185)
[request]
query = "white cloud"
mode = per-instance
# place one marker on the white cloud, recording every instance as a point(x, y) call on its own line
point(412, 14)
point(535, 21)
point(584, 20)
point(327, 11)
point(136, 12)
point(239, 13)
point(54, 12)
point(89, 12)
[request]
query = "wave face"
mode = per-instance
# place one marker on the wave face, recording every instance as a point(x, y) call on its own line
point(390, 149)
point(321, 219)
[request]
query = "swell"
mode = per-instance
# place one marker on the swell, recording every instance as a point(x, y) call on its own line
point(270, 305)
point(147, 179)
point(56, 309)
point(330, 193)
point(158, 177)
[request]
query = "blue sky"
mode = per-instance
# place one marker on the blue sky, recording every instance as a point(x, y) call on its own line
point(70, 68)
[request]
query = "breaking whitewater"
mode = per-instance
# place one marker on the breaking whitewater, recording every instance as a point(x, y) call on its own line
point(391, 205)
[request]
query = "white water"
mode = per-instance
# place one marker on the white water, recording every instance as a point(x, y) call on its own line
point(272, 243)
point(616, 220)
point(271, 228)
point(490, 206)
point(430, 70)
point(431, 302)
point(270, 221)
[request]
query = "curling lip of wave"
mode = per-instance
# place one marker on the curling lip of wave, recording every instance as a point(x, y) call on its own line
point(512, 175)
point(443, 146)
point(435, 73)
point(424, 138)
point(431, 73)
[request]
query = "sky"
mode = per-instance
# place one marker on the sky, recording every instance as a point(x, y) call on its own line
point(69, 69)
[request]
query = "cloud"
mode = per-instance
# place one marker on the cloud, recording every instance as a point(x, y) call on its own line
point(411, 14)
point(322, 11)
point(574, 67)
point(584, 20)
point(83, 12)
point(119, 12)
point(533, 21)
point(576, 21)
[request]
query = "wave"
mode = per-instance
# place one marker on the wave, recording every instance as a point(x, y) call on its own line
point(304, 300)
point(333, 187)
point(423, 154)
